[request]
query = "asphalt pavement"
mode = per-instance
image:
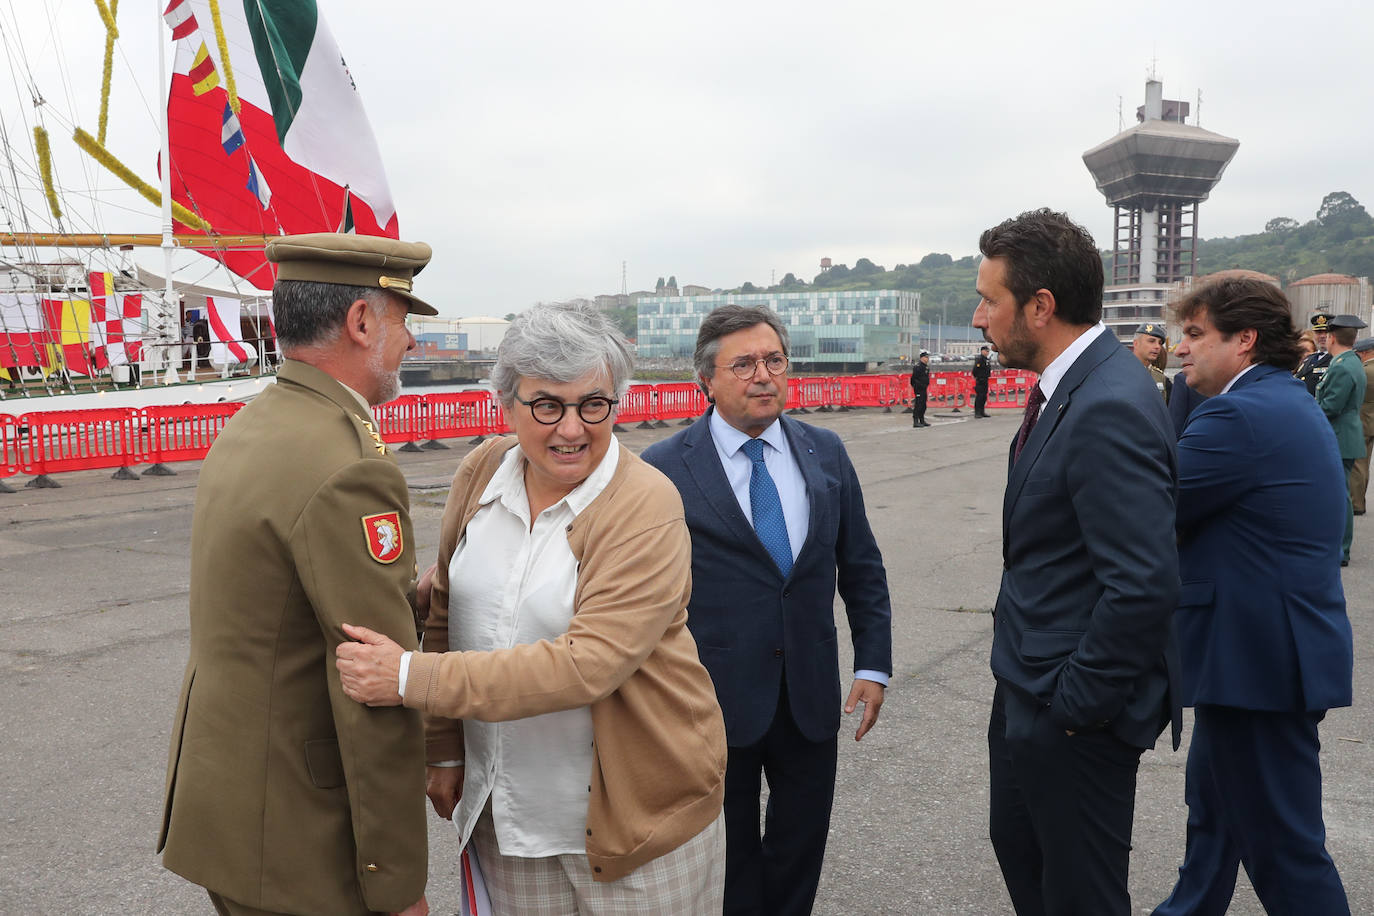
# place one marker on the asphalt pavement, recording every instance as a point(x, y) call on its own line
point(94, 637)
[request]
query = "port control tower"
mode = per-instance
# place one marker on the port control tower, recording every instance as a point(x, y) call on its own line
point(1153, 176)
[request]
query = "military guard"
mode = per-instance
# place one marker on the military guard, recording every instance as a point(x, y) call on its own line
point(1340, 394)
point(982, 372)
point(1314, 366)
point(920, 382)
point(1149, 344)
point(1359, 474)
point(283, 795)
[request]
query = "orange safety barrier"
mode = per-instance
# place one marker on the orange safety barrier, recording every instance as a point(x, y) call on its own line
point(679, 401)
point(462, 413)
point(79, 440)
point(184, 432)
point(636, 406)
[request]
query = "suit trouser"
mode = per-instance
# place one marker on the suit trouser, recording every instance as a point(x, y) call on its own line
point(1349, 535)
point(779, 872)
point(1254, 793)
point(1061, 813)
point(980, 400)
point(1359, 476)
point(918, 408)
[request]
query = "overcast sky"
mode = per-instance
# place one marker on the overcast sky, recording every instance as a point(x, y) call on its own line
point(537, 145)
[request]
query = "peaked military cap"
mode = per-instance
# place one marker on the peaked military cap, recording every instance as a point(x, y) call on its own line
point(1363, 345)
point(353, 260)
point(1346, 321)
point(1321, 321)
point(1154, 330)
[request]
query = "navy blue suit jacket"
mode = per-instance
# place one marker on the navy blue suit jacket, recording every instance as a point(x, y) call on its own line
point(752, 627)
point(1261, 619)
point(1090, 572)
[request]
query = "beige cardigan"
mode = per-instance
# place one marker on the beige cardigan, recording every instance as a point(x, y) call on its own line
point(658, 774)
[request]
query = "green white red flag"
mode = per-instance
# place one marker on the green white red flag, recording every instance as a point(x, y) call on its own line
point(308, 160)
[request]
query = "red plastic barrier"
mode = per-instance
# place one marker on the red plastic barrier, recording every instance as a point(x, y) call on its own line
point(462, 413)
point(402, 420)
point(9, 446)
point(807, 392)
point(862, 391)
point(79, 440)
point(183, 432)
point(636, 405)
point(679, 401)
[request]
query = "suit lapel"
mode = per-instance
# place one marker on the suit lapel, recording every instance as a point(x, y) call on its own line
point(1097, 353)
point(703, 463)
point(804, 454)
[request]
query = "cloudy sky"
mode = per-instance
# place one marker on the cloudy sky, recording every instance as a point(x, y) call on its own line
point(537, 145)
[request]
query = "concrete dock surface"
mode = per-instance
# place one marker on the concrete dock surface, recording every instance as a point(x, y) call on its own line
point(94, 637)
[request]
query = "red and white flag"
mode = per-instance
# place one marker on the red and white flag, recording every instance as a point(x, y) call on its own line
point(180, 18)
point(24, 336)
point(116, 327)
point(227, 345)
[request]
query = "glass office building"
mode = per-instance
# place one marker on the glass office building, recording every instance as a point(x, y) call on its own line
point(830, 330)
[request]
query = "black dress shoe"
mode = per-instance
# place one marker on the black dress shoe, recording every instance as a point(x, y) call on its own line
point(1345, 562)
point(1359, 512)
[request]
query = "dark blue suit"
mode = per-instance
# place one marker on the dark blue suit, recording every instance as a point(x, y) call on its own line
point(1082, 639)
point(1183, 400)
point(1265, 643)
point(770, 646)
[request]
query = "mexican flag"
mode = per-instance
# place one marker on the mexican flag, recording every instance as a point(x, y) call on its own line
point(296, 154)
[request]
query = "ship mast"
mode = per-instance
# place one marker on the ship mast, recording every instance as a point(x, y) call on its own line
point(164, 318)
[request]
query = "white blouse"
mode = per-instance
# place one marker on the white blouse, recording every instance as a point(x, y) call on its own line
point(510, 584)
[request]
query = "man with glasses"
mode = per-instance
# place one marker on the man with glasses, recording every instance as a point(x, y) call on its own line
point(777, 519)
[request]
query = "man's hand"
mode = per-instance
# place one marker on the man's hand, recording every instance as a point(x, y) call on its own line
point(418, 908)
point(423, 589)
point(870, 694)
point(444, 786)
point(370, 668)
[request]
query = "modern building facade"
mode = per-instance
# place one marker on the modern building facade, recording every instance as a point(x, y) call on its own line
point(830, 330)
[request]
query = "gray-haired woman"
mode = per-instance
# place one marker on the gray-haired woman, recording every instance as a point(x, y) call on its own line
point(588, 768)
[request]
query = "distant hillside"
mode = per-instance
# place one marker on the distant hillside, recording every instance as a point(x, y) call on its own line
point(1340, 239)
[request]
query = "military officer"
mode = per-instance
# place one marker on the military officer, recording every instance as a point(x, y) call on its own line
point(1359, 474)
point(982, 372)
point(284, 796)
point(1148, 346)
point(1340, 394)
point(1314, 367)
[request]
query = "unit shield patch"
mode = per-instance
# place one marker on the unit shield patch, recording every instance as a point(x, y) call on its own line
point(383, 532)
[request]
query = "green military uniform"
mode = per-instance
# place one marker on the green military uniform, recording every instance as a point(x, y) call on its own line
point(1359, 474)
point(1161, 381)
point(283, 794)
point(1340, 395)
point(1157, 331)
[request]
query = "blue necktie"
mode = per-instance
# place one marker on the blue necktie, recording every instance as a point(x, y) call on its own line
point(766, 508)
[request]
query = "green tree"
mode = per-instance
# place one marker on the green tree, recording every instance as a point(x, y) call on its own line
point(672, 281)
point(660, 285)
point(1281, 225)
point(935, 259)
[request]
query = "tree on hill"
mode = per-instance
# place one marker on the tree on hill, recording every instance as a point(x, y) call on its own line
point(865, 268)
point(935, 259)
point(1281, 224)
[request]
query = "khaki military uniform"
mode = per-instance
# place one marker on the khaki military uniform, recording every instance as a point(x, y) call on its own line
point(282, 793)
point(1359, 474)
point(1161, 381)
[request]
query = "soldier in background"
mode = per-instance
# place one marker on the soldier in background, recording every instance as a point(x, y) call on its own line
point(1340, 395)
point(982, 371)
point(1149, 347)
point(1314, 367)
point(1359, 474)
point(920, 380)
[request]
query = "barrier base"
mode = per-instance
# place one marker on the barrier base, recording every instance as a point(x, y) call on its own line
point(659, 424)
point(887, 408)
point(435, 444)
point(799, 410)
point(617, 428)
point(644, 424)
point(124, 473)
point(43, 482)
point(6, 488)
point(476, 440)
point(159, 470)
point(688, 421)
point(409, 447)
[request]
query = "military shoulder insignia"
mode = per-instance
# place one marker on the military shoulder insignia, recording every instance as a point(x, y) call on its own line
point(376, 439)
point(383, 533)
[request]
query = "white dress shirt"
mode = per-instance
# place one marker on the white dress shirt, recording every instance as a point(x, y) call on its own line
point(1235, 378)
point(1055, 371)
point(511, 584)
point(787, 477)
